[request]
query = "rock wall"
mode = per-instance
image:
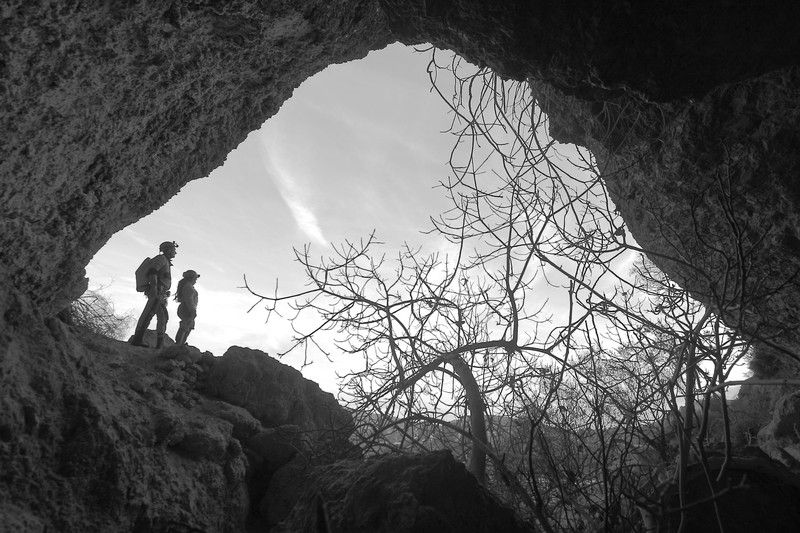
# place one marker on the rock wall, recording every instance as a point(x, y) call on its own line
point(593, 49)
point(110, 108)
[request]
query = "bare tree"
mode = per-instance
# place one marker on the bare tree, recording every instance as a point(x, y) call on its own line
point(573, 383)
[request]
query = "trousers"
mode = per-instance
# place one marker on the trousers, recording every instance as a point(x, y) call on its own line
point(155, 306)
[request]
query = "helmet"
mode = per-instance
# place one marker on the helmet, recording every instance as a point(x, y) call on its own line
point(191, 274)
point(167, 245)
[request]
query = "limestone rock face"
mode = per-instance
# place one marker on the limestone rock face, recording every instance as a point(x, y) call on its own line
point(284, 490)
point(589, 48)
point(399, 494)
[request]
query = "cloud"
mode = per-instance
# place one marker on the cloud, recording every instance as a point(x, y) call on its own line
point(293, 196)
point(137, 237)
point(305, 218)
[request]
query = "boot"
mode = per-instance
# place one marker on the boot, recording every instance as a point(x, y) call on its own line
point(136, 340)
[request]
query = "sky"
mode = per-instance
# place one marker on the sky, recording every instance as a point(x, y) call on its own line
point(358, 147)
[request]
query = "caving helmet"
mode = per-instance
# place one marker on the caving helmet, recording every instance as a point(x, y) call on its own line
point(167, 245)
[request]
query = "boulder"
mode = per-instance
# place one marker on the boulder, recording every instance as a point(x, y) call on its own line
point(150, 338)
point(277, 395)
point(399, 494)
point(752, 494)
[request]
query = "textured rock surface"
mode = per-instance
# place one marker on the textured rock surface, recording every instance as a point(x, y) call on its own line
point(709, 188)
point(276, 394)
point(297, 424)
point(96, 435)
point(780, 439)
point(109, 108)
point(399, 494)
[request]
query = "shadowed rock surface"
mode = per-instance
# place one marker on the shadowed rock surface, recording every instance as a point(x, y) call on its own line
point(400, 494)
point(96, 435)
point(753, 494)
point(780, 439)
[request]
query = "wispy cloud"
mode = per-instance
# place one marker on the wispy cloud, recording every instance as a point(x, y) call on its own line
point(305, 218)
point(293, 196)
point(137, 237)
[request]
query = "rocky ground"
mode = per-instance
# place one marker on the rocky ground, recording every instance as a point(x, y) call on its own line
point(97, 435)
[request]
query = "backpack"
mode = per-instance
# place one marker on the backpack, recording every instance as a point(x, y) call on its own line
point(142, 278)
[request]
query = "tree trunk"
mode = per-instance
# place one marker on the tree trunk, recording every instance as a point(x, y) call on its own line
point(477, 418)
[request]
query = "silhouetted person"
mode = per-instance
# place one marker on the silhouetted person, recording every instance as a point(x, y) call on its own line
point(159, 281)
point(186, 294)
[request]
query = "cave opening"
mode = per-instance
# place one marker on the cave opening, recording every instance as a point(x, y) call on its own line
point(359, 147)
point(131, 101)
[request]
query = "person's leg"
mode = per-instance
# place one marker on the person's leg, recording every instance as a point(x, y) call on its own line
point(181, 334)
point(189, 326)
point(180, 337)
point(162, 317)
point(144, 321)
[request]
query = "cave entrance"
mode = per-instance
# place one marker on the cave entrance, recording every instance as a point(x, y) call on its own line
point(358, 147)
point(322, 171)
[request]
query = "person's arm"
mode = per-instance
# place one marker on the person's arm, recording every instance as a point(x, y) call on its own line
point(155, 267)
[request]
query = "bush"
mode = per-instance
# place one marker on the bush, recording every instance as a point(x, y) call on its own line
point(94, 312)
